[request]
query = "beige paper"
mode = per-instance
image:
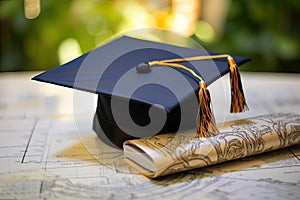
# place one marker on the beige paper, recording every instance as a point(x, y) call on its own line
point(170, 153)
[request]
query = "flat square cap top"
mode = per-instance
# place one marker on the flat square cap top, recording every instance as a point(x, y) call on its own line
point(111, 70)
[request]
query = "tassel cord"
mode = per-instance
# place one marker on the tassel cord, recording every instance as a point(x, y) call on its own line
point(195, 58)
point(176, 65)
point(205, 119)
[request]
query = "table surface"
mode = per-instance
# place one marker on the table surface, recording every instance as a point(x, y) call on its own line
point(48, 149)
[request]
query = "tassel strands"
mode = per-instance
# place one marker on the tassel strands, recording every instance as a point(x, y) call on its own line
point(206, 125)
point(205, 118)
point(238, 101)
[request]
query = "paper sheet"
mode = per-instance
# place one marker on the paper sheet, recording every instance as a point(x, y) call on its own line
point(37, 126)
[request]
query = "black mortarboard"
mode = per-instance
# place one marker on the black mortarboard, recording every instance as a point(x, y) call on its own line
point(157, 99)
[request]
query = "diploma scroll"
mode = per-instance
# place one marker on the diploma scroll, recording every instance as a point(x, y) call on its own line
point(171, 153)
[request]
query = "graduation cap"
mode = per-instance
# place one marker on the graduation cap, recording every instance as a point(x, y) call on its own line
point(146, 88)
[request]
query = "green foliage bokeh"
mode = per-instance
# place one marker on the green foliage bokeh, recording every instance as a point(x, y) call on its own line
point(267, 31)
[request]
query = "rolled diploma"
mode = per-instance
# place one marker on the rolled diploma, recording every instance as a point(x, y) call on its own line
point(170, 153)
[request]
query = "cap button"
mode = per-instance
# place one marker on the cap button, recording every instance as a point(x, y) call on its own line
point(143, 68)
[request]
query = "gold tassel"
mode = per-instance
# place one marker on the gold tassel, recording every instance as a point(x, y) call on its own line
point(205, 117)
point(238, 101)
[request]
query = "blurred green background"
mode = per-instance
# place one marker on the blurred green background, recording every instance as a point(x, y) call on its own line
point(267, 31)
